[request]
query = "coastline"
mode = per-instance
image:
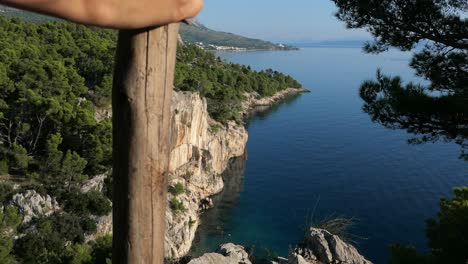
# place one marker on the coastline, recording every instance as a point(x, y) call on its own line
point(254, 100)
point(202, 149)
point(251, 50)
point(199, 158)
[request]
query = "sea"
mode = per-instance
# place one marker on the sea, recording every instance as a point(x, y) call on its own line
point(319, 156)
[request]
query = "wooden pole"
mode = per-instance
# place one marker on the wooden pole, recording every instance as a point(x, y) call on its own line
point(141, 100)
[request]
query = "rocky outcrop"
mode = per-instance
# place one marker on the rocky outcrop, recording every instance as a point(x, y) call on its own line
point(199, 156)
point(322, 247)
point(254, 100)
point(226, 254)
point(298, 259)
point(318, 247)
point(103, 227)
point(95, 184)
point(201, 151)
point(31, 204)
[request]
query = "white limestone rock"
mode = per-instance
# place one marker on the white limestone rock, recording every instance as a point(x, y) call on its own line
point(320, 246)
point(226, 254)
point(31, 204)
point(234, 251)
point(198, 158)
point(94, 184)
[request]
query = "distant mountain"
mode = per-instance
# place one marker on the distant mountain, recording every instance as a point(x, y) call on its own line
point(195, 33)
point(29, 16)
point(199, 34)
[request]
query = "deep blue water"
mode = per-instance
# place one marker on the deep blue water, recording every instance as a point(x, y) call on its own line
point(320, 150)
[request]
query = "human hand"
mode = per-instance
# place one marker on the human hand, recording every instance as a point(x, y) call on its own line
point(122, 14)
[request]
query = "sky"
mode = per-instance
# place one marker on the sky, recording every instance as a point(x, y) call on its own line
point(278, 20)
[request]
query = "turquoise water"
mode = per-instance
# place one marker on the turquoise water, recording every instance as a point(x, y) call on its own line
point(319, 155)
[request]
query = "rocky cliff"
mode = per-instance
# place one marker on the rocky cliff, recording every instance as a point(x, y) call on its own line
point(201, 150)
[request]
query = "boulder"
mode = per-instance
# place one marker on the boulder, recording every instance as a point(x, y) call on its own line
point(234, 251)
point(226, 254)
point(31, 205)
point(321, 246)
point(298, 259)
point(103, 227)
point(214, 258)
point(94, 184)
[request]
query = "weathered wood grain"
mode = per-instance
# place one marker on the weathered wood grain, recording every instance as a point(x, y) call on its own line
point(141, 98)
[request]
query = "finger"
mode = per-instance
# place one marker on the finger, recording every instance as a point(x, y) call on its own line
point(190, 9)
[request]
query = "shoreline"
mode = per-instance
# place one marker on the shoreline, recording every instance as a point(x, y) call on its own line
point(254, 100)
point(205, 196)
point(250, 50)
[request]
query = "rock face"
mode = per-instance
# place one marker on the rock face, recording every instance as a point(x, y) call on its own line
point(199, 156)
point(320, 246)
point(226, 254)
point(31, 204)
point(200, 153)
point(103, 227)
point(254, 99)
point(94, 184)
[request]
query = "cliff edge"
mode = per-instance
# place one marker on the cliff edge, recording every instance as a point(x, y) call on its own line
point(201, 150)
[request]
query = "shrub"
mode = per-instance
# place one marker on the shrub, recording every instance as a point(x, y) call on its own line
point(338, 226)
point(88, 225)
point(77, 254)
point(5, 191)
point(177, 189)
point(48, 242)
point(75, 202)
point(98, 204)
point(3, 167)
point(102, 250)
point(86, 203)
point(214, 128)
point(19, 159)
point(9, 220)
point(446, 234)
point(406, 255)
point(176, 205)
point(191, 222)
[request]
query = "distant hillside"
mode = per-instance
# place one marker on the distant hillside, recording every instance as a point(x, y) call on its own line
point(198, 33)
point(28, 16)
point(194, 33)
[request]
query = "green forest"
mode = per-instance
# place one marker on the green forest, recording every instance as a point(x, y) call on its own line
point(193, 33)
point(199, 33)
point(54, 76)
point(225, 84)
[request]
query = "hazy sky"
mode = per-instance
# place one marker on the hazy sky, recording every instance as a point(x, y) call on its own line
point(278, 20)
